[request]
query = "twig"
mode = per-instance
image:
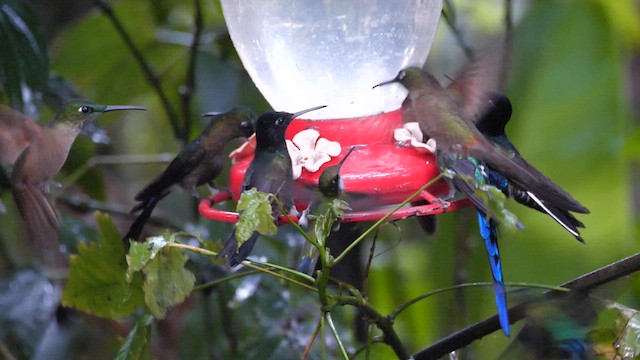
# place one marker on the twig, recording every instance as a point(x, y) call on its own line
point(86, 205)
point(450, 18)
point(383, 323)
point(148, 72)
point(189, 87)
point(487, 326)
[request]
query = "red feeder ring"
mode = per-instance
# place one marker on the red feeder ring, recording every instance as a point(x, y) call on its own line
point(379, 172)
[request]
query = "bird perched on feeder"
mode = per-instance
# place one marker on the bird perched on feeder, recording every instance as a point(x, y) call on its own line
point(270, 171)
point(199, 163)
point(331, 187)
point(492, 126)
point(41, 160)
point(447, 115)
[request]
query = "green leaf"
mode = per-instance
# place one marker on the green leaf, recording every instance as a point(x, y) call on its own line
point(24, 64)
point(98, 282)
point(255, 215)
point(166, 281)
point(137, 344)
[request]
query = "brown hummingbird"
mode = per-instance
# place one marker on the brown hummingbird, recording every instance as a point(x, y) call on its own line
point(199, 163)
point(35, 167)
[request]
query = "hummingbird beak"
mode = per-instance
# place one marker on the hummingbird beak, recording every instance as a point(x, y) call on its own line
point(295, 115)
point(346, 156)
point(123, 107)
point(211, 113)
point(394, 80)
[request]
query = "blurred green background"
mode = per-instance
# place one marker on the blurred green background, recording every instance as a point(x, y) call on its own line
point(575, 88)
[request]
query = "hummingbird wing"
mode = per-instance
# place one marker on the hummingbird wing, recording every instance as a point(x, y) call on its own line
point(16, 133)
point(472, 86)
point(524, 175)
point(179, 168)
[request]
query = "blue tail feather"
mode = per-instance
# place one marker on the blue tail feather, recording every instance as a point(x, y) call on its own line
point(489, 232)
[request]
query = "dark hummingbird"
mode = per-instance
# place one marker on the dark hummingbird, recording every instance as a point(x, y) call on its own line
point(199, 163)
point(492, 125)
point(41, 160)
point(270, 171)
point(447, 116)
point(331, 187)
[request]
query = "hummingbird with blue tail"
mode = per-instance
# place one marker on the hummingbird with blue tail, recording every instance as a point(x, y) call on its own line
point(270, 171)
point(492, 126)
point(199, 163)
point(331, 187)
point(448, 117)
point(35, 167)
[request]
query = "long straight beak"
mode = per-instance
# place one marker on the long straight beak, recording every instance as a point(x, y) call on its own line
point(123, 107)
point(295, 115)
point(386, 82)
point(211, 113)
point(345, 157)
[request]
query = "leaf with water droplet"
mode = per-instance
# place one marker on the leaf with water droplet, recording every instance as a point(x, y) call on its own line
point(255, 215)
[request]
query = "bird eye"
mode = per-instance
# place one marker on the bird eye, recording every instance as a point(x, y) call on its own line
point(280, 121)
point(84, 109)
point(401, 75)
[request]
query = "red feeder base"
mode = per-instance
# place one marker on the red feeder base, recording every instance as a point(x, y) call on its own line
point(379, 172)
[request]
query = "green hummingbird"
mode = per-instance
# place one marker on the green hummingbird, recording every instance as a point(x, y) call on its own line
point(39, 162)
point(447, 115)
point(199, 163)
point(492, 126)
point(331, 187)
point(270, 171)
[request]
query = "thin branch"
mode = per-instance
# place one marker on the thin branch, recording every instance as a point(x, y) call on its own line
point(148, 72)
point(85, 205)
point(508, 45)
point(187, 90)
point(449, 15)
point(487, 326)
point(383, 323)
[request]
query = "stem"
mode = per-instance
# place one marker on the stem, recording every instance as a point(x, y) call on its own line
point(450, 19)
point(189, 87)
point(147, 71)
point(224, 279)
point(327, 315)
point(487, 326)
point(405, 305)
point(312, 340)
point(383, 323)
point(384, 218)
point(246, 263)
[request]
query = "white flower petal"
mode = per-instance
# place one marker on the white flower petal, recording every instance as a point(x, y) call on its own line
point(414, 129)
point(332, 148)
point(306, 139)
point(296, 170)
point(316, 162)
point(402, 134)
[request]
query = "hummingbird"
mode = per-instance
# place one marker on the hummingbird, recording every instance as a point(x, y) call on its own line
point(16, 132)
point(41, 160)
point(270, 171)
point(331, 187)
point(492, 126)
point(463, 149)
point(200, 162)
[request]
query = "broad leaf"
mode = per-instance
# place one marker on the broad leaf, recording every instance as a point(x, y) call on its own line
point(255, 215)
point(137, 344)
point(98, 282)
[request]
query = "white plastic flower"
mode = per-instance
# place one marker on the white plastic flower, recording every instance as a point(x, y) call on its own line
point(410, 132)
point(308, 150)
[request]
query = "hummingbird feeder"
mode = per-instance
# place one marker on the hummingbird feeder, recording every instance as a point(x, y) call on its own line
point(306, 53)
